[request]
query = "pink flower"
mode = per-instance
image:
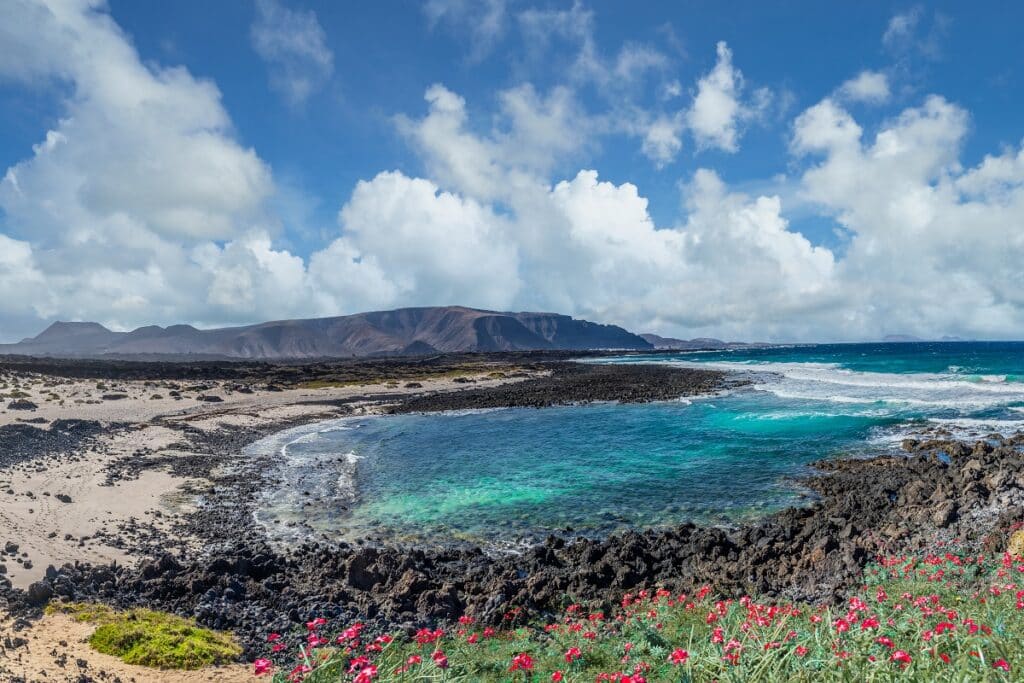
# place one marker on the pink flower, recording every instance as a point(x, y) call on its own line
point(572, 654)
point(1001, 664)
point(413, 659)
point(273, 637)
point(801, 651)
point(316, 623)
point(678, 656)
point(440, 659)
point(262, 666)
point(884, 640)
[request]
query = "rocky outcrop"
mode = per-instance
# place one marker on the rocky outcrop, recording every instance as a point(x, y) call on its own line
point(940, 490)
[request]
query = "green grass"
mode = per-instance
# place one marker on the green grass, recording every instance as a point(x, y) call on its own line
point(931, 618)
point(151, 638)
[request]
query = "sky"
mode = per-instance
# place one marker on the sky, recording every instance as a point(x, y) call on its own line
point(795, 171)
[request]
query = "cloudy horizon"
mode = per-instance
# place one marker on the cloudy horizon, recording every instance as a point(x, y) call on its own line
point(672, 172)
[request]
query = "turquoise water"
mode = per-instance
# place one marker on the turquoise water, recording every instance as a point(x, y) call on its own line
point(502, 476)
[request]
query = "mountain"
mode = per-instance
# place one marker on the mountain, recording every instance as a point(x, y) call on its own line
point(406, 331)
point(901, 338)
point(698, 344)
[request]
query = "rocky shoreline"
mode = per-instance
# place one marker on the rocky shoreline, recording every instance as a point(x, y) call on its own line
point(939, 489)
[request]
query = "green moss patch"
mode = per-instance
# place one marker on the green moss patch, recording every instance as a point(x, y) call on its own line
point(156, 639)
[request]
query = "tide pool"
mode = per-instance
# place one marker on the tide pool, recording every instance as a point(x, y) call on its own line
point(502, 477)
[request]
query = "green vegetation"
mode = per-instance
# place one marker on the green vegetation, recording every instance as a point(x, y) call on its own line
point(16, 394)
point(150, 638)
point(939, 617)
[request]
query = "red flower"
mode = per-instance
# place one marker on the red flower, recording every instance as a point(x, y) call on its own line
point(885, 640)
point(801, 651)
point(572, 654)
point(366, 675)
point(357, 664)
point(678, 656)
point(901, 657)
point(273, 637)
point(413, 659)
point(522, 662)
point(440, 659)
point(262, 666)
point(557, 676)
point(1001, 664)
point(316, 623)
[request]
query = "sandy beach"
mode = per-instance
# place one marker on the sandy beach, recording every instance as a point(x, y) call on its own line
point(71, 506)
point(145, 422)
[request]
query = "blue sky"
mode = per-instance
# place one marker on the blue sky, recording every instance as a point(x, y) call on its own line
point(724, 197)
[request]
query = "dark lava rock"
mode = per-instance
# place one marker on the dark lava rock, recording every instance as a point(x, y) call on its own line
point(210, 398)
point(21, 442)
point(39, 593)
point(578, 383)
point(63, 497)
point(21, 404)
point(114, 397)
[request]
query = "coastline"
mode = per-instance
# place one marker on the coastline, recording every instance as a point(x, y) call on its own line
point(214, 563)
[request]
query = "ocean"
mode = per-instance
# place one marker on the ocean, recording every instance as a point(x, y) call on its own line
point(505, 477)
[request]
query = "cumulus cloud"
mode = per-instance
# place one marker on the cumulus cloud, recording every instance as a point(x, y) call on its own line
point(718, 113)
point(139, 205)
point(935, 247)
point(294, 46)
point(868, 86)
point(141, 167)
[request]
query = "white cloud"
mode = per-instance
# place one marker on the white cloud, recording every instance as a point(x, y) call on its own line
point(935, 248)
point(717, 113)
point(916, 32)
point(139, 206)
point(420, 245)
point(901, 27)
point(867, 86)
point(483, 20)
point(141, 168)
point(294, 46)
point(663, 140)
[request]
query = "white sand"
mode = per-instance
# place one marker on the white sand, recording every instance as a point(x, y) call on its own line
point(39, 524)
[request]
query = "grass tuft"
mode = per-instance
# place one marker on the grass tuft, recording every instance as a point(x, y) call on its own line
point(150, 638)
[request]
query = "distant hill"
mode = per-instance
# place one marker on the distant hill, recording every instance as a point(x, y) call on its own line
point(698, 344)
point(406, 331)
point(901, 338)
point(912, 338)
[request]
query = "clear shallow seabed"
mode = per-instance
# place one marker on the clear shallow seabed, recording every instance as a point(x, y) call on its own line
point(502, 476)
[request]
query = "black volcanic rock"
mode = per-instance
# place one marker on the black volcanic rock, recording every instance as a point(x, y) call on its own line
point(407, 331)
